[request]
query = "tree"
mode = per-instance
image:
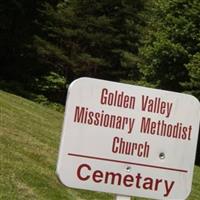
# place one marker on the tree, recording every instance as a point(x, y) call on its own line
point(164, 64)
point(90, 38)
point(192, 86)
point(172, 41)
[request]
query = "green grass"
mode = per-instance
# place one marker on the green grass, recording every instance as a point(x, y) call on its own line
point(29, 140)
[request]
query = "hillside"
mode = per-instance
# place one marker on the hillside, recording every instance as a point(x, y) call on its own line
point(29, 139)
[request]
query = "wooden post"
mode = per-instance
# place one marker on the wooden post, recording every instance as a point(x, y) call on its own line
point(120, 197)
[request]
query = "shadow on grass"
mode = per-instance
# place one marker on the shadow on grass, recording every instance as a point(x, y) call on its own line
point(27, 92)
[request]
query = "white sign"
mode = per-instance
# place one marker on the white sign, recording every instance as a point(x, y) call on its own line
point(128, 140)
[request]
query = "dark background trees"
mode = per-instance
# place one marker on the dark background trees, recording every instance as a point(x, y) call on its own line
point(18, 60)
point(50, 43)
point(17, 18)
point(47, 44)
point(90, 38)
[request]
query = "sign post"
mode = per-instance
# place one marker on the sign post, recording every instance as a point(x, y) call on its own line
point(119, 197)
point(128, 140)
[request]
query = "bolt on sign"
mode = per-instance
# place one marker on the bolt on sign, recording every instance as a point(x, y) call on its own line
point(128, 140)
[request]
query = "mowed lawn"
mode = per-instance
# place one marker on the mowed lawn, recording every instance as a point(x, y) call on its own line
point(29, 141)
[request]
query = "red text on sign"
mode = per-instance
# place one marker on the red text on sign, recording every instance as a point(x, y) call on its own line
point(117, 98)
point(121, 146)
point(86, 173)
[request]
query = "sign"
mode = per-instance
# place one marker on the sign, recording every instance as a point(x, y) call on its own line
point(128, 140)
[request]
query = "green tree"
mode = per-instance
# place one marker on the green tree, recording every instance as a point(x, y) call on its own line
point(192, 86)
point(173, 38)
point(163, 65)
point(20, 69)
point(90, 38)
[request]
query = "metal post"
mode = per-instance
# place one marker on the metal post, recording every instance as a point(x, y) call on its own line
point(119, 197)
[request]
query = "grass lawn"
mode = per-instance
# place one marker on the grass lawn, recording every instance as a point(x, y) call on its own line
point(29, 140)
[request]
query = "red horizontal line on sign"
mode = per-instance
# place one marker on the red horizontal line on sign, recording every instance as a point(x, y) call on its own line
point(126, 162)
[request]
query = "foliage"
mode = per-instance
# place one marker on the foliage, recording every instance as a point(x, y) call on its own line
point(90, 38)
point(52, 86)
point(164, 64)
point(171, 42)
point(193, 85)
point(44, 45)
